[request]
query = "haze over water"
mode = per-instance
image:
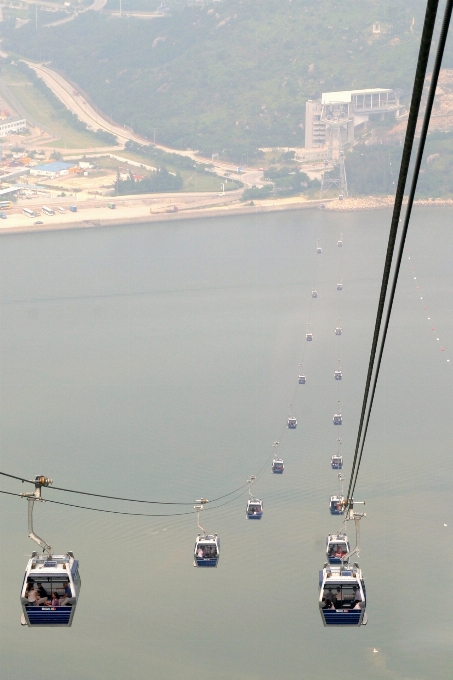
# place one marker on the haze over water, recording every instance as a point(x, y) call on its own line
point(159, 362)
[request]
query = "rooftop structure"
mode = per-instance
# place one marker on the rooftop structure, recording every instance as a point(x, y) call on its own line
point(354, 107)
point(55, 169)
point(12, 126)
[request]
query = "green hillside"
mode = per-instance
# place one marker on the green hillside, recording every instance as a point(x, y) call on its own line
point(229, 75)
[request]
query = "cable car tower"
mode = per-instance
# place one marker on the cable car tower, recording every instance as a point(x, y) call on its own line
point(335, 116)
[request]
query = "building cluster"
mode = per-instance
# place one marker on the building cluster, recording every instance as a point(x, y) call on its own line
point(11, 126)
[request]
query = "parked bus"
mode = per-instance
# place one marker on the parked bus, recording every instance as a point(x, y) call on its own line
point(28, 212)
point(48, 211)
point(4, 205)
point(61, 209)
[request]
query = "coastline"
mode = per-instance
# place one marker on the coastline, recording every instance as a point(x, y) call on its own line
point(89, 218)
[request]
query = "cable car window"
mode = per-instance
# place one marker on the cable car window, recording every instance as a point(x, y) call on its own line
point(46, 590)
point(342, 596)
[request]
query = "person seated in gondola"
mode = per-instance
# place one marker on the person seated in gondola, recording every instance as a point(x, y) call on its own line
point(338, 599)
point(55, 602)
point(43, 597)
point(31, 594)
point(357, 596)
point(200, 552)
point(67, 594)
point(329, 596)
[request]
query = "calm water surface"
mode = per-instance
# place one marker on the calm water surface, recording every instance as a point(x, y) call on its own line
point(159, 362)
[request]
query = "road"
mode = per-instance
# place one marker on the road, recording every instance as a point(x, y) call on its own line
point(87, 114)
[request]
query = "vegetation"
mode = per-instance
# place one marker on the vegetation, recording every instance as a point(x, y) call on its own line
point(233, 76)
point(41, 107)
point(157, 182)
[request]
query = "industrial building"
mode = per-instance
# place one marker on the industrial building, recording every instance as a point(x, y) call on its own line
point(52, 170)
point(355, 108)
point(12, 126)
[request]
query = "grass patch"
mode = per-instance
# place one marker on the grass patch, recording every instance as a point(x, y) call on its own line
point(42, 111)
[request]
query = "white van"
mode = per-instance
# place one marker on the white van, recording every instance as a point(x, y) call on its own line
point(60, 209)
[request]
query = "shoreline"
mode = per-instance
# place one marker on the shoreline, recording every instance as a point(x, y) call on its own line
point(91, 219)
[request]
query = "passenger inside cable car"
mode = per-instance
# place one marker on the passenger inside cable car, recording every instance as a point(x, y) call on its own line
point(292, 423)
point(278, 466)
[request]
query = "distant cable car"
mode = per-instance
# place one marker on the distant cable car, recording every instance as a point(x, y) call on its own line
point(342, 595)
point(338, 329)
point(292, 421)
point(314, 293)
point(302, 376)
point(318, 248)
point(337, 459)
point(340, 242)
point(278, 466)
point(336, 505)
point(51, 585)
point(337, 417)
point(337, 546)
point(340, 197)
point(254, 509)
point(338, 375)
point(340, 284)
point(308, 334)
point(206, 552)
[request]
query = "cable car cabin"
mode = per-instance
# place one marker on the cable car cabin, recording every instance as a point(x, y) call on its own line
point(338, 330)
point(314, 293)
point(278, 466)
point(337, 462)
point(254, 508)
point(337, 419)
point(302, 379)
point(309, 337)
point(338, 375)
point(337, 546)
point(340, 243)
point(318, 250)
point(50, 590)
point(292, 423)
point(342, 596)
point(336, 505)
point(339, 286)
point(206, 551)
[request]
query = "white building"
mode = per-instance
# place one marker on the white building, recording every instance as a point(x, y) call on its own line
point(10, 127)
point(357, 107)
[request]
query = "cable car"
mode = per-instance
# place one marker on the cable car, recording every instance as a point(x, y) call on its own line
point(340, 242)
point(292, 421)
point(51, 584)
point(308, 334)
point(338, 375)
point(337, 419)
point(338, 330)
point(207, 550)
point(318, 248)
point(302, 376)
point(314, 293)
point(337, 546)
point(336, 505)
point(340, 284)
point(342, 595)
point(254, 508)
point(336, 462)
point(278, 466)
point(50, 590)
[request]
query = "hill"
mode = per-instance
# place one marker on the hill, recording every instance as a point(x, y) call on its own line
point(233, 75)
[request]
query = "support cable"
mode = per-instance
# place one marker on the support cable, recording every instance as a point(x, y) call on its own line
point(418, 161)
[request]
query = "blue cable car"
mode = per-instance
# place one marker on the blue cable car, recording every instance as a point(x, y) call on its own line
point(337, 462)
point(278, 466)
point(336, 505)
point(338, 375)
point(318, 248)
point(308, 334)
point(292, 421)
point(340, 284)
point(302, 379)
point(207, 550)
point(254, 508)
point(337, 419)
point(50, 590)
point(314, 293)
point(342, 595)
point(340, 242)
point(337, 546)
point(51, 584)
